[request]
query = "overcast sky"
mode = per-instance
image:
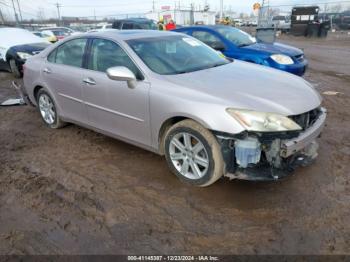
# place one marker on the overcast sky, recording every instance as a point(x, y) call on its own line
point(77, 8)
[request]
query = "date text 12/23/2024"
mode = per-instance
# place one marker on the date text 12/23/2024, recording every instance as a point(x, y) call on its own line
point(173, 258)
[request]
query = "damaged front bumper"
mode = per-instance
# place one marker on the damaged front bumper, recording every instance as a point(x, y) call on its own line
point(271, 156)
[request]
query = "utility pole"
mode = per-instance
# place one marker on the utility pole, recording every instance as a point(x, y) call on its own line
point(192, 14)
point(58, 13)
point(221, 9)
point(95, 16)
point(19, 9)
point(14, 10)
point(153, 6)
point(2, 18)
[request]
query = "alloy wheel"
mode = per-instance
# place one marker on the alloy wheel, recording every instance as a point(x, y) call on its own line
point(47, 109)
point(188, 155)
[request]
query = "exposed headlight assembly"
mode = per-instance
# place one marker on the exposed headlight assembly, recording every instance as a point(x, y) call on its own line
point(263, 122)
point(282, 59)
point(23, 55)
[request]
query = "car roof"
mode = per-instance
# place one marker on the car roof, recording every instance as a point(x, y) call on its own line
point(131, 34)
point(212, 27)
point(136, 19)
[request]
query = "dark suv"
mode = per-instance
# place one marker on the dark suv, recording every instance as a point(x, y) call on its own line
point(134, 23)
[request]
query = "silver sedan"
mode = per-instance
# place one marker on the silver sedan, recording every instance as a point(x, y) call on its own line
point(171, 94)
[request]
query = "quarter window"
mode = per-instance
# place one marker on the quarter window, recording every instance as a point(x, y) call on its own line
point(52, 56)
point(106, 54)
point(70, 53)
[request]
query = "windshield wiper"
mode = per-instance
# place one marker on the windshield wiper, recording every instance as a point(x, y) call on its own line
point(201, 68)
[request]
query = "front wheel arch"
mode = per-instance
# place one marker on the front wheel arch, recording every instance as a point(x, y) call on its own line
point(167, 124)
point(215, 163)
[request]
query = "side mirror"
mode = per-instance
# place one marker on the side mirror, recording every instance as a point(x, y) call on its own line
point(122, 73)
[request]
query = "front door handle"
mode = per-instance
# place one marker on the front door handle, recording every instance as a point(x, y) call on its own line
point(47, 70)
point(89, 81)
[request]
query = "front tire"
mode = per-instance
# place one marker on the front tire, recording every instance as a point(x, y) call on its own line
point(14, 69)
point(48, 111)
point(193, 153)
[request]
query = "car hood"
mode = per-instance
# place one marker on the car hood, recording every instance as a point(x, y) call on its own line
point(275, 48)
point(30, 48)
point(248, 86)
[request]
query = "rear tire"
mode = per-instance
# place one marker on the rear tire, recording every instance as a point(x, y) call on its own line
point(48, 111)
point(14, 69)
point(193, 153)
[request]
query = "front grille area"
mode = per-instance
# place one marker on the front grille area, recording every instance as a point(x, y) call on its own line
point(299, 58)
point(307, 119)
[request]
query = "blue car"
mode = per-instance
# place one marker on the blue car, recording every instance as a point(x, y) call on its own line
point(237, 44)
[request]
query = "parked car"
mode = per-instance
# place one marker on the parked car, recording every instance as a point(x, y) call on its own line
point(48, 35)
point(134, 23)
point(104, 27)
point(67, 30)
point(16, 45)
point(238, 22)
point(281, 22)
point(60, 32)
point(173, 95)
point(238, 44)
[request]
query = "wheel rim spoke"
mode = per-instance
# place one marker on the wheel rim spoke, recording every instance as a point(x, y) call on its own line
point(184, 168)
point(201, 161)
point(197, 148)
point(190, 159)
point(176, 156)
point(178, 144)
point(196, 169)
point(187, 140)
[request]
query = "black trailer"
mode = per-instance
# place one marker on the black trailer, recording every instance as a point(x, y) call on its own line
point(301, 18)
point(305, 21)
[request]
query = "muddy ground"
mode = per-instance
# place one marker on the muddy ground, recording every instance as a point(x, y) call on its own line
point(73, 191)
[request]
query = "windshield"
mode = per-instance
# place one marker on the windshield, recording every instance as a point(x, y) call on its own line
point(172, 55)
point(238, 37)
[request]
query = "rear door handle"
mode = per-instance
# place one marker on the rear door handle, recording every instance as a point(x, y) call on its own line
point(89, 81)
point(47, 70)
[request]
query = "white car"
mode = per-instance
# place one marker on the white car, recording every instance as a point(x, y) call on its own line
point(16, 45)
point(101, 28)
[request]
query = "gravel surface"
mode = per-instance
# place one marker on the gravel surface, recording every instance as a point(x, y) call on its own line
point(73, 191)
